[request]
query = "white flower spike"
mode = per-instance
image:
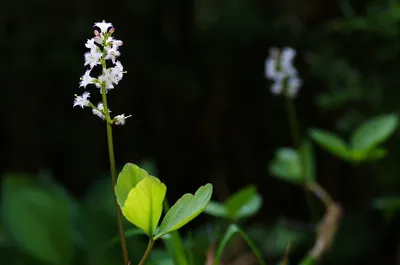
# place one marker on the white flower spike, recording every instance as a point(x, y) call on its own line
point(279, 68)
point(102, 47)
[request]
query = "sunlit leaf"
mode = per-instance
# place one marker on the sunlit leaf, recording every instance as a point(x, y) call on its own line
point(128, 178)
point(143, 206)
point(185, 209)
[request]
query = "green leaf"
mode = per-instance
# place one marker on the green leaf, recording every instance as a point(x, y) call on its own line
point(128, 178)
point(286, 165)
point(308, 260)
point(374, 131)
point(185, 209)
point(173, 243)
point(244, 203)
point(174, 247)
point(278, 237)
point(38, 220)
point(368, 155)
point(331, 143)
point(230, 232)
point(308, 160)
point(143, 207)
point(160, 256)
point(388, 205)
point(376, 154)
point(216, 209)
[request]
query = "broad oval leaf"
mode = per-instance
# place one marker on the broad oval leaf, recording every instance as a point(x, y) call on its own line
point(286, 165)
point(144, 204)
point(243, 203)
point(128, 178)
point(374, 131)
point(215, 209)
point(185, 209)
point(331, 143)
point(38, 220)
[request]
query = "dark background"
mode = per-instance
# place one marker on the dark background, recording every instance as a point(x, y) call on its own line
point(200, 104)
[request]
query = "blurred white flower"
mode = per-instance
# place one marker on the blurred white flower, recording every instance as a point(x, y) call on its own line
point(82, 101)
point(280, 69)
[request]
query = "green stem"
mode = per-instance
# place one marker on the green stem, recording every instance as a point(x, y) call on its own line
point(295, 133)
point(293, 123)
point(112, 165)
point(147, 252)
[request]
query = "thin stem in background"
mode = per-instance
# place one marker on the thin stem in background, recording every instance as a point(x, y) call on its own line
point(147, 252)
point(295, 133)
point(113, 168)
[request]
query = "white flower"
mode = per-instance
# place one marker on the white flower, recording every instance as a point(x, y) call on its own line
point(92, 58)
point(99, 111)
point(104, 26)
point(86, 79)
point(91, 45)
point(82, 101)
point(120, 119)
point(284, 73)
point(107, 79)
point(111, 76)
point(119, 67)
point(117, 43)
point(112, 53)
point(98, 40)
point(118, 72)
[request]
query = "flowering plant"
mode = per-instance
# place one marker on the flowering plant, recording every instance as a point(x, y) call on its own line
point(138, 195)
